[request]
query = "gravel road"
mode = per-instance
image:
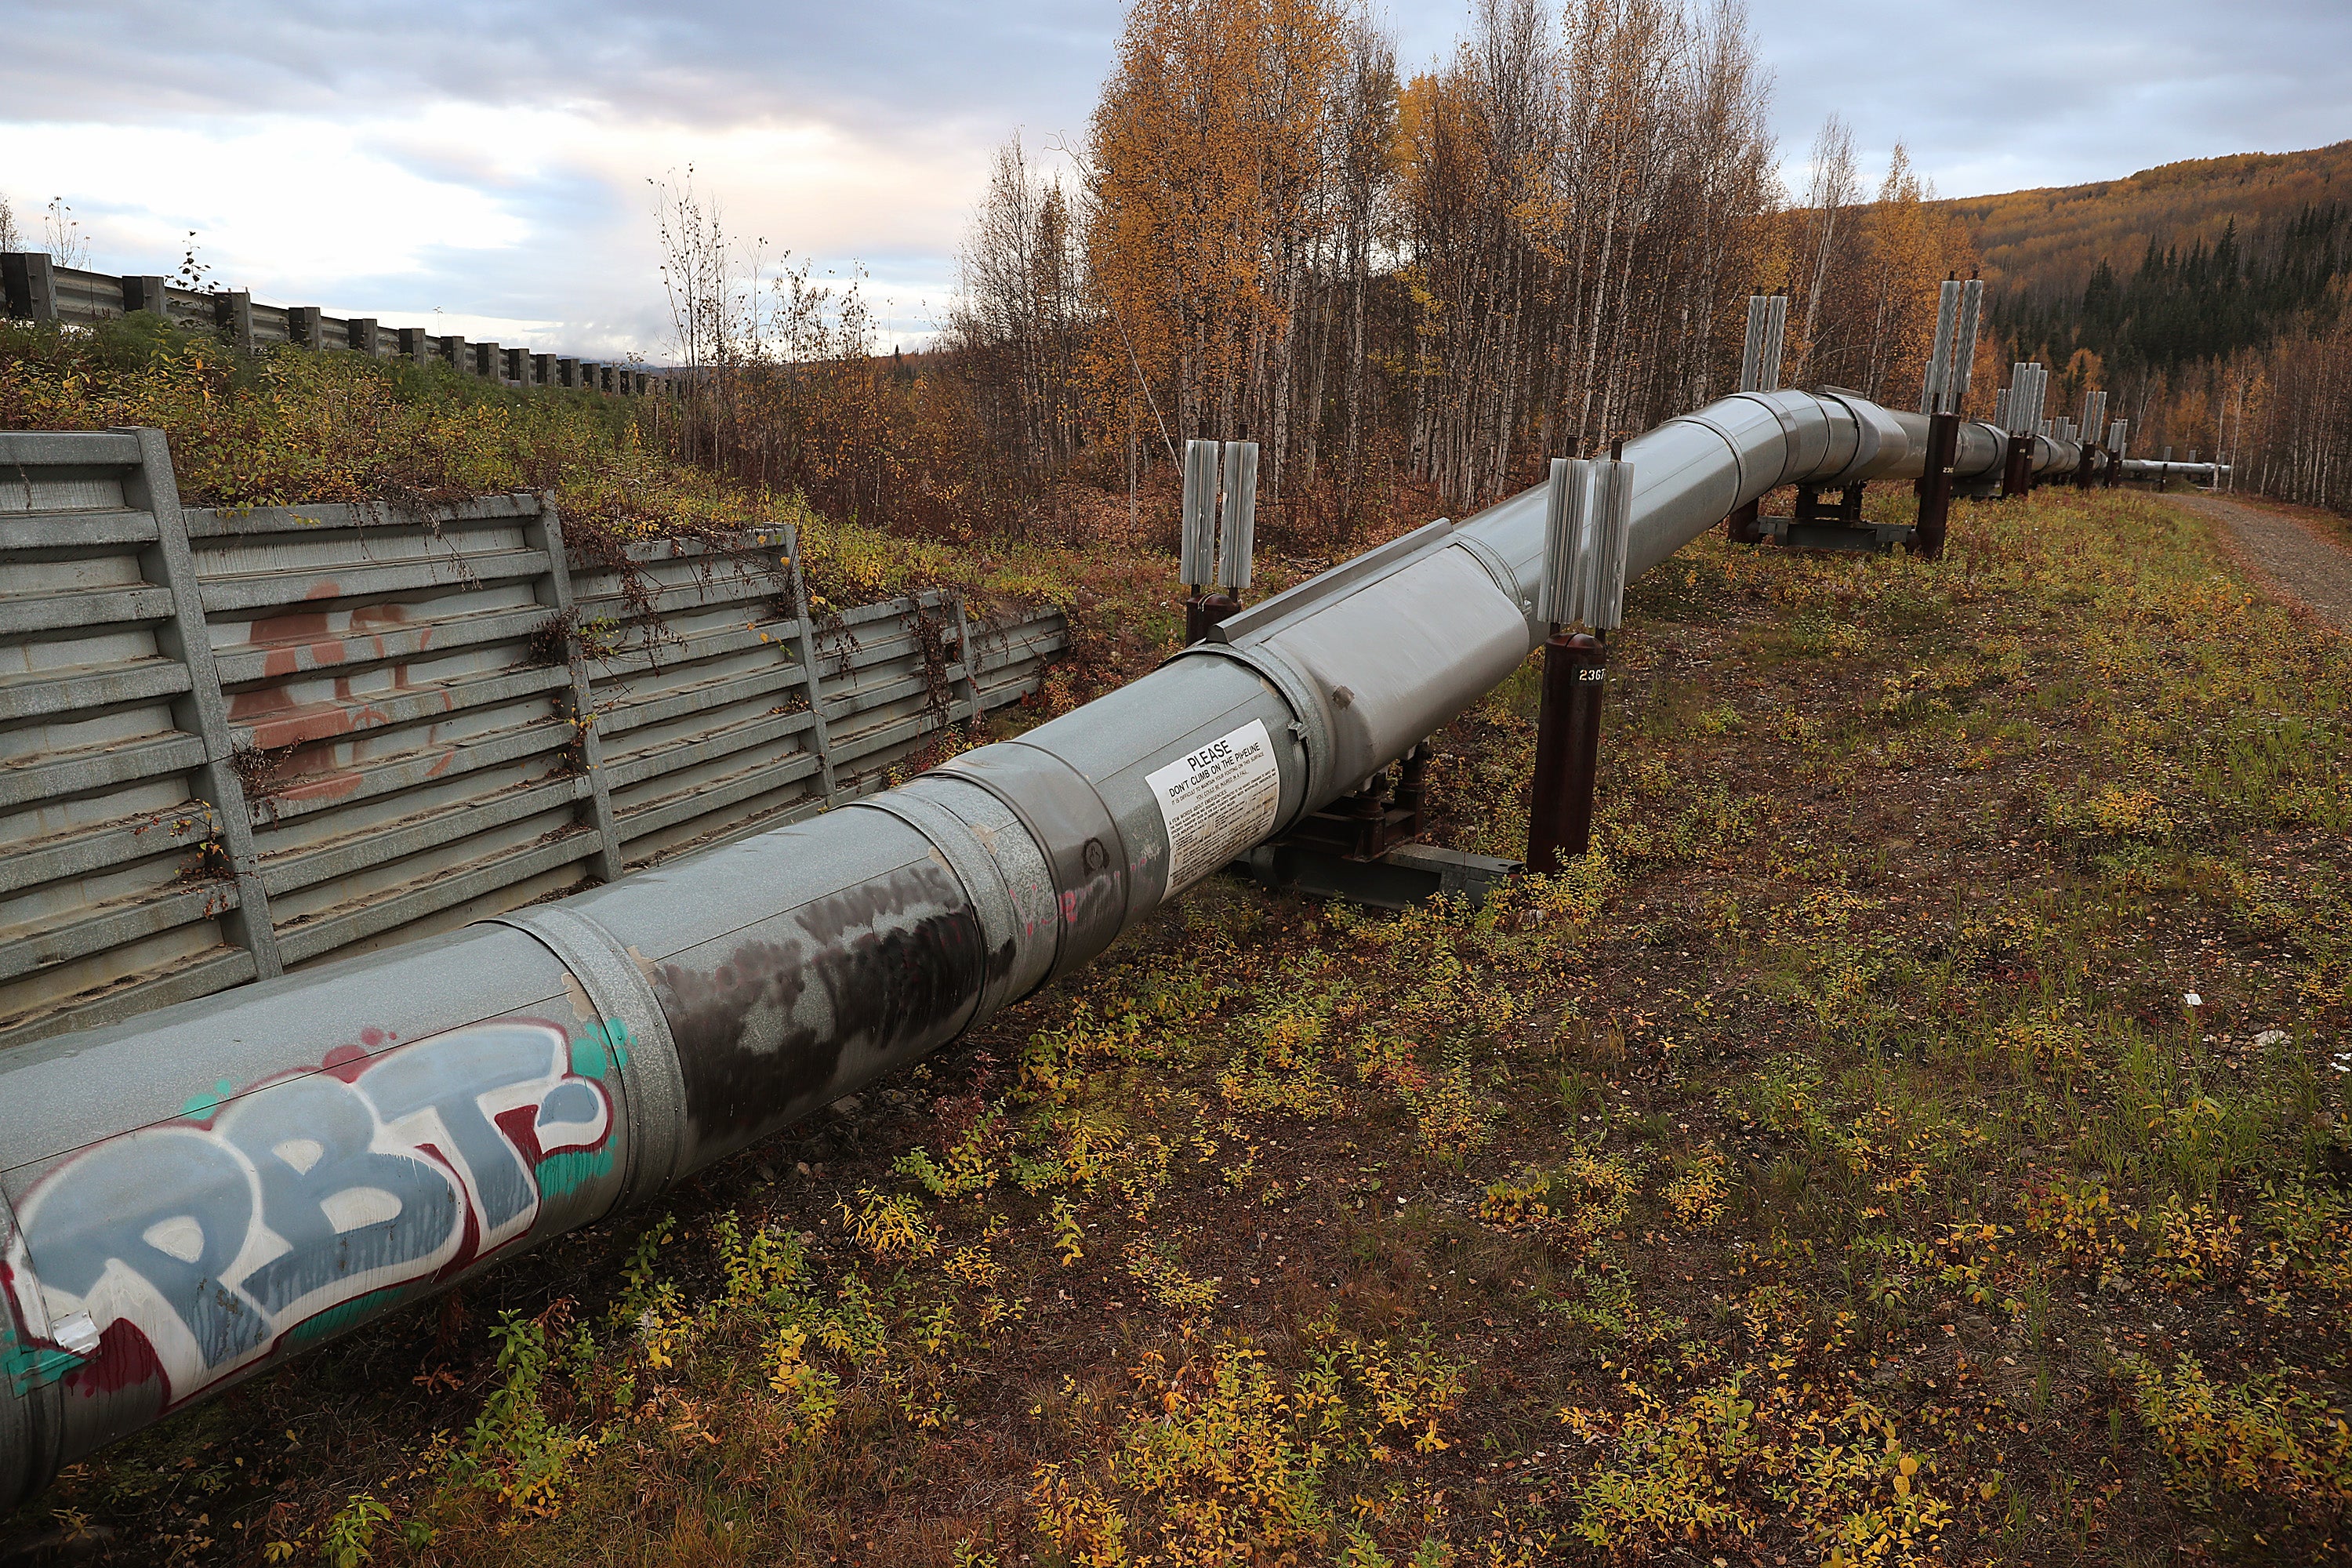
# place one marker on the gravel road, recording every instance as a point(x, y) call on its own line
point(2297, 558)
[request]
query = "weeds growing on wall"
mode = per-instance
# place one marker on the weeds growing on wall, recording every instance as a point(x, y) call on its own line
point(291, 427)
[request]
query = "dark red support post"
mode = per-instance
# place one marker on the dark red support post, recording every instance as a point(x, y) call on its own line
point(1568, 750)
point(1934, 485)
point(2016, 466)
point(1202, 610)
point(1412, 795)
point(2083, 472)
point(1743, 525)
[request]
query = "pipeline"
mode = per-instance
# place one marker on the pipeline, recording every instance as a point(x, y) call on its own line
point(2159, 470)
point(198, 1194)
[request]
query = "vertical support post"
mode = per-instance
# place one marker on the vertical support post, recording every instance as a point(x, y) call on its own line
point(203, 710)
point(415, 344)
point(1751, 349)
point(29, 278)
point(302, 326)
point(1237, 521)
point(1934, 485)
point(971, 660)
point(2023, 420)
point(232, 314)
point(145, 294)
point(1567, 506)
point(1196, 541)
point(810, 678)
point(365, 336)
point(1412, 795)
point(553, 590)
point(1760, 371)
point(544, 531)
point(1932, 396)
point(1587, 514)
point(1964, 345)
point(1568, 750)
point(1760, 352)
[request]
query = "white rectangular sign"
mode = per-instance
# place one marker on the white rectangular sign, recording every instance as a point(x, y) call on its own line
point(1217, 802)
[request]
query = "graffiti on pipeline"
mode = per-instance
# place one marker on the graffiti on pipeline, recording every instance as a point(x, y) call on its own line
point(187, 1250)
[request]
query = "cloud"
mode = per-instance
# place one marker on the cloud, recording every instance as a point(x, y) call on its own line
point(490, 161)
point(2007, 95)
point(890, 65)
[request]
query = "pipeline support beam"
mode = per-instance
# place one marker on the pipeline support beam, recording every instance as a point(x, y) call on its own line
point(1568, 750)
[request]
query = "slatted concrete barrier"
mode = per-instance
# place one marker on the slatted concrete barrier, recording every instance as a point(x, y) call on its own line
point(234, 742)
point(33, 287)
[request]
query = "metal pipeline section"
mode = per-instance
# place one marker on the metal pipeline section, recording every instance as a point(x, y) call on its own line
point(199, 1193)
point(2157, 469)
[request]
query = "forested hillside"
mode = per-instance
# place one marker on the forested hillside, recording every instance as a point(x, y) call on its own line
point(2207, 295)
point(2050, 242)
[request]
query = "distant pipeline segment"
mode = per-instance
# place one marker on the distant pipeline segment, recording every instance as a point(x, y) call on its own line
point(200, 1192)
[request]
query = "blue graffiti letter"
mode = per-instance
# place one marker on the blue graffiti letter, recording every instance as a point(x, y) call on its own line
point(171, 1206)
point(448, 1076)
point(327, 1193)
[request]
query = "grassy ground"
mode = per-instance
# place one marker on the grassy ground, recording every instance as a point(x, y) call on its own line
point(1919, 1135)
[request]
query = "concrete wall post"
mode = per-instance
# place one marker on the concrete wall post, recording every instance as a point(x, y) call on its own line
point(545, 532)
point(232, 314)
point(970, 657)
point(811, 679)
point(203, 710)
point(30, 281)
point(146, 294)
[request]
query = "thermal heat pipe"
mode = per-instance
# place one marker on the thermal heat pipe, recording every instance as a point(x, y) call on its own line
point(202, 1191)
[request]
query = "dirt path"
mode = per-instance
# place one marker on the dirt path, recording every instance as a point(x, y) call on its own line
point(2297, 558)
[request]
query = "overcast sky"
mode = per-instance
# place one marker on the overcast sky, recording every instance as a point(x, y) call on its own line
point(489, 161)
